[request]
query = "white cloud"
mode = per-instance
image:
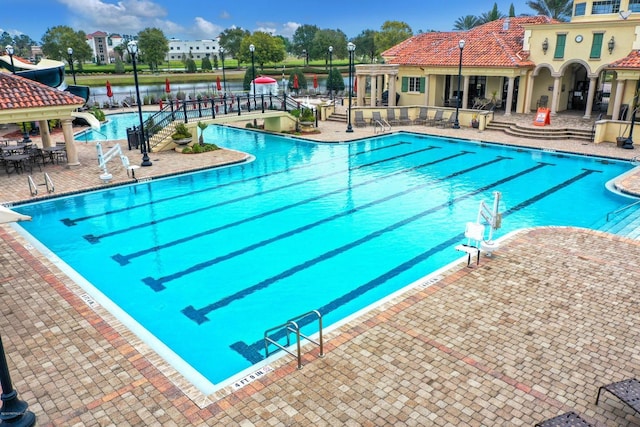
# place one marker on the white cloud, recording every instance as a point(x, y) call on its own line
point(289, 28)
point(204, 29)
point(225, 15)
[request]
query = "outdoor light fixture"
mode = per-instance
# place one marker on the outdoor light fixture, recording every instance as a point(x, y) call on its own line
point(73, 73)
point(306, 56)
point(611, 44)
point(252, 48)
point(14, 411)
point(545, 45)
point(9, 50)
point(330, 67)
point(224, 79)
point(132, 47)
point(351, 48)
point(456, 124)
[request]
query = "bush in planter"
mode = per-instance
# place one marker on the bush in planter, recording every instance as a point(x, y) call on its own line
point(181, 132)
point(307, 115)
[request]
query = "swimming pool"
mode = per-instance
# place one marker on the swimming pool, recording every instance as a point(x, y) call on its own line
point(206, 262)
point(114, 128)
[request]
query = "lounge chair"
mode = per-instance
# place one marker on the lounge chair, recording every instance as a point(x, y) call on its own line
point(568, 419)
point(474, 233)
point(377, 118)
point(449, 122)
point(391, 117)
point(437, 118)
point(542, 102)
point(628, 391)
point(404, 116)
point(423, 117)
point(359, 119)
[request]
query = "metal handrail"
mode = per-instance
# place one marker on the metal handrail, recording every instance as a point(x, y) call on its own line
point(33, 187)
point(622, 209)
point(293, 326)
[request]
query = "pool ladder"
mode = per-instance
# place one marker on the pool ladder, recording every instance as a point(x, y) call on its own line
point(33, 187)
point(293, 327)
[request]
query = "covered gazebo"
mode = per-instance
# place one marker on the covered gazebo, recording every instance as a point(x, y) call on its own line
point(264, 86)
point(23, 100)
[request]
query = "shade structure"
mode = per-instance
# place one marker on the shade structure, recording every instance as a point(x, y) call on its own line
point(355, 85)
point(218, 84)
point(315, 81)
point(265, 86)
point(7, 215)
point(109, 91)
point(167, 86)
point(296, 85)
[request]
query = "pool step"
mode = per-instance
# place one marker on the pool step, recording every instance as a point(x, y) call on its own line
point(626, 223)
point(540, 132)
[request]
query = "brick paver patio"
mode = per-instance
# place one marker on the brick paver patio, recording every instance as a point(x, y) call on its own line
point(529, 334)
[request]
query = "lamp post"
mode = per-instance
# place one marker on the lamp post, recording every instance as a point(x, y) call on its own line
point(73, 73)
point(252, 48)
point(132, 47)
point(14, 411)
point(224, 79)
point(9, 50)
point(456, 124)
point(306, 56)
point(330, 69)
point(351, 48)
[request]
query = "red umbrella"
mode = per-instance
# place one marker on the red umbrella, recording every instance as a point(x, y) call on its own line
point(355, 85)
point(167, 86)
point(315, 81)
point(296, 85)
point(109, 91)
point(218, 85)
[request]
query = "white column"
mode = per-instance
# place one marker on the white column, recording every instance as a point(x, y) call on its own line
point(507, 107)
point(392, 90)
point(72, 153)
point(528, 93)
point(618, 100)
point(426, 90)
point(465, 92)
point(555, 96)
point(44, 133)
point(374, 90)
point(590, 95)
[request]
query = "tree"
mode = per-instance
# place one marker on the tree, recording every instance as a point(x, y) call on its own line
point(206, 64)
point(268, 49)
point(366, 44)
point(512, 11)
point(230, 39)
point(248, 76)
point(325, 38)
point(190, 66)
point(467, 22)
point(153, 46)
point(303, 39)
point(120, 50)
point(302, 80)
point(335, 80)
point(391, 33)
point(557, 9)
point(57, 40)
point(493, 15)
point(119, 67)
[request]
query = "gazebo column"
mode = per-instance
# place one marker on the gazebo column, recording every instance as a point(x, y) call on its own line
point(590, 95)
point(361, 90)
point(72, 153)
point(528, 93)
point(507, 107)
point(392, 91)
point(617, 103)
point(555, 96)
point(374, 91)
point(465, 92)
point(426, 90)
point(45, 135)
point(380, 87)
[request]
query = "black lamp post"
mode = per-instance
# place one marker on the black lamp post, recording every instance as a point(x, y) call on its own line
point(14, 411)
point(330, 69)
point(351, 48)
point(224, 79)
point(9, 50)
point(628, 143)
point(252, 48)
point(456, 124)
point(73, 73)
point(132, 47)
point(306, 56)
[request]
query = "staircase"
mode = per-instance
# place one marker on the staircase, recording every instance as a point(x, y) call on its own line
point(338, 117)
point(625, 223)
point(158, 141)
point(543, 132)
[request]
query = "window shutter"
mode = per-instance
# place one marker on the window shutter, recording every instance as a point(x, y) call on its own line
point(422, 84)
point(405, 84)
point(560, 42)
point(596, 46)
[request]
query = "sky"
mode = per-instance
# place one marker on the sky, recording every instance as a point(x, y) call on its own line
point(205, 19)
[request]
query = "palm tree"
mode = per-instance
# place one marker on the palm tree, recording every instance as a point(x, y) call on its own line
point(557, 9)
point(466, 23)
point(493, 15)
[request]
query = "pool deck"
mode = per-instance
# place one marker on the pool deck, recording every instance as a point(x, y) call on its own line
point(528, 334)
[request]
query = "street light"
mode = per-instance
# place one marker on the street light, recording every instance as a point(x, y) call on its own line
point(14, 411)
point(252, 48)
point(351, 48)
point(9, 50)
point(306, 56)
point(73, 73)
point(224, 79)
point(330, 67)
point(132, 47)
point(456, 124)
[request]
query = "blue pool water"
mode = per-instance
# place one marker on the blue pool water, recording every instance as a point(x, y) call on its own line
point(114, 128)
point(206, 262)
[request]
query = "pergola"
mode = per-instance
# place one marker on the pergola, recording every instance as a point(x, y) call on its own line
point(23, 100)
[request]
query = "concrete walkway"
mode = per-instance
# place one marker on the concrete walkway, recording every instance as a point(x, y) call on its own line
point(528, 334)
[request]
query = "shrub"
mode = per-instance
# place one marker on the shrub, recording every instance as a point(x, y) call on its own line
point(181, 132)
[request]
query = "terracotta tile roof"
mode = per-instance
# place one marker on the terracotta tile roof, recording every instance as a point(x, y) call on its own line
point(488, 45)
point(18, 92)
point(631, 61)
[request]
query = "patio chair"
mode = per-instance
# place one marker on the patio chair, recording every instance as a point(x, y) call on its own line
point(423, 116)
point(391, 117)
point(628, 391)
point(404, 116)
point(542, 102)
point(568, 419)
point(437, 118)
point(474, 233)
point(377, 118)
point(359, 119)
point(448, 122)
